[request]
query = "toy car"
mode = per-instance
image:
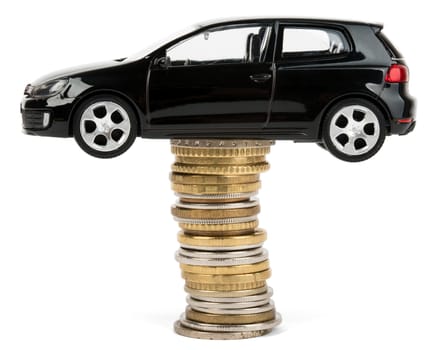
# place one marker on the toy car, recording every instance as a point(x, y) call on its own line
point(337, 83)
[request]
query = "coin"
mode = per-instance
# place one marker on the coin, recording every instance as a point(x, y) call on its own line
point(214, 214)
point(226, 221)
point(224, 287)
point(216, 189)
point(230, 328)
point(221, 143)
point(220, 248)
point(232, 241)
point(221, 262)
point(212, 335)
point(220, 160)
point(237, 311)
point(191, 179)
point(220, 169)
point(226, 279)
point(195, 303)
point(220, 152)
point(202, 317)
point(215, 198)
point(218, 206)
point(210, 294)
point(191, 253)
point(234, 297)
point(220, 227)
point(226, 270)
point(231, 233)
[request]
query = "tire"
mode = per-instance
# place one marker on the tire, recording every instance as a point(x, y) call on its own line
point(105, 126)
point(354, 130)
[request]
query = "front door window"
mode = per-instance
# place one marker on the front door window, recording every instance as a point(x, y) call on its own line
point(223, 45)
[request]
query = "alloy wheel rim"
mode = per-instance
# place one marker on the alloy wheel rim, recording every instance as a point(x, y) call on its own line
point(354, 130)
point(105, 126)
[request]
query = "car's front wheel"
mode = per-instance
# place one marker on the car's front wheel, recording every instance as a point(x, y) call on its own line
point(354, 130)
point(105, 126)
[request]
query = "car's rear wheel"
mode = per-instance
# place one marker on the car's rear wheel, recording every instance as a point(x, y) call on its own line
point(105, 126)
point(354, 130)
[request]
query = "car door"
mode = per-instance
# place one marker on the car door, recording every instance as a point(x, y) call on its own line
point(313, 69)
point(218, 80)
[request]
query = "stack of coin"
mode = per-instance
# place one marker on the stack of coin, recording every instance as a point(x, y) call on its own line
point(221, 255)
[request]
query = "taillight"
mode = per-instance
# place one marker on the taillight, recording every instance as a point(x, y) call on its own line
point(397, 73)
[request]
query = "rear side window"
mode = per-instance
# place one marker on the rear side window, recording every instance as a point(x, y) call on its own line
point(298, 42)
point(392, 50)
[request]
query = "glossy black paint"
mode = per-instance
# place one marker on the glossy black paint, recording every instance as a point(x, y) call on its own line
point(224, 100)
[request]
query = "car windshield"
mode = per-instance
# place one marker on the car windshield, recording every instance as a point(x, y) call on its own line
point(143, 53)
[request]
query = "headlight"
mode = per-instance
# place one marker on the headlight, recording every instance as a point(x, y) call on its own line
point(50, 88)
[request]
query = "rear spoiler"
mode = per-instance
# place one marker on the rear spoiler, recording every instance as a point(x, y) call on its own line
point(377, 27)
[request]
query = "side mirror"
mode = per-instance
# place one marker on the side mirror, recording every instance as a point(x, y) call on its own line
point(162, 62)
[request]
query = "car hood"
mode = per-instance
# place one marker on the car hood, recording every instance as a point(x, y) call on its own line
point(69, 72)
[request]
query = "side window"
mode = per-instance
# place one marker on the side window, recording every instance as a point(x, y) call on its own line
point(222, 45)
point(303, 42)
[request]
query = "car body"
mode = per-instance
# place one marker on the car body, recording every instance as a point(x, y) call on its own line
point(292, 74)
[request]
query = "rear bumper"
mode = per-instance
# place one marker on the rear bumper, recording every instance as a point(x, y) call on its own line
point(403, 128)
point(401, 108)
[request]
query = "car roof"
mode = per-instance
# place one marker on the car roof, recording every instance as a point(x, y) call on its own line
point(236, 20)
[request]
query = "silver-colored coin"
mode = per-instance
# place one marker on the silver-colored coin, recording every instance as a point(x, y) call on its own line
point(221, 249)
point(221, 262)
point(215, 221)
point(218, 206)
point(239, 299)
point(221, 255)
point(198, 293)
point(217, 196)
point(221, 143)
point(207, 327)
point(205, 305)
point(248, 311)
point(192, 333)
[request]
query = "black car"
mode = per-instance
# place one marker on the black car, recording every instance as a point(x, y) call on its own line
point(338, 83)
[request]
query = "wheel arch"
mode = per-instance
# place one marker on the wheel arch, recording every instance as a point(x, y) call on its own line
point(114, 93)
point(371, 99)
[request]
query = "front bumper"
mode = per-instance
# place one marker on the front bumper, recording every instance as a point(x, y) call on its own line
point(33, 119)
point(46, 117)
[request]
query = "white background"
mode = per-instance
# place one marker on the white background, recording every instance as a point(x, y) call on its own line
point(86, 245)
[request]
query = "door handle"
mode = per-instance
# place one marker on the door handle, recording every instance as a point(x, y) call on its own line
point(260, 78)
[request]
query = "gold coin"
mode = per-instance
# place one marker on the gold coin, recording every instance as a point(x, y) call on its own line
point(213, 213)
point(218, 287)
point(220, 161)
point(216, 189)
point(187, 179)
point(197, 293)
point(232, 241)
point(226, 270)
point(202, 317)
point(220, 152)
point(219, 227)
point(213, 200)
point(220, 169)
point(221, 233)
point(227, 279)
